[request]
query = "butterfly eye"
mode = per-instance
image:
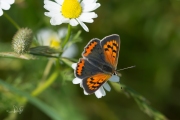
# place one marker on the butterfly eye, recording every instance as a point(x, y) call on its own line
point(114, 73)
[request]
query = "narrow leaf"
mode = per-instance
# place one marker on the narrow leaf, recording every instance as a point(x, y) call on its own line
point(39, 104)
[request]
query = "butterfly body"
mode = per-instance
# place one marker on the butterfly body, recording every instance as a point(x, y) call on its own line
point(99, 62)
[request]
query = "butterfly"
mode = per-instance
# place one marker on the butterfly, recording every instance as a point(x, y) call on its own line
point(99, 62)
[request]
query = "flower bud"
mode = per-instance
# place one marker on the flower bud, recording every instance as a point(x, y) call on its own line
point(22, 40)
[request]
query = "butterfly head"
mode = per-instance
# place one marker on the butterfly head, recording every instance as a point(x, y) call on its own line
point(117, 73)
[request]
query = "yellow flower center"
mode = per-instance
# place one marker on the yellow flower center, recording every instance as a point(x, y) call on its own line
point(54, 43)
point(71, 8)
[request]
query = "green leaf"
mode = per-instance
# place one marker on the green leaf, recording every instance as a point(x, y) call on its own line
point(44, 51)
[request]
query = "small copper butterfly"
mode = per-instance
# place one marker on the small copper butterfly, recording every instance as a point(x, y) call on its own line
point(99, 62)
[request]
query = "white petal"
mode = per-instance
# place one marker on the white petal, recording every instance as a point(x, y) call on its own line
point(62, 32)
point(106, 86)
point(97, 5)
point(87, 17)
point(77, 80)
point(114, 78)
point(81, 84)
point(90, 6)
point(73, 22)
point(66, 20)
point(5, 5)
point(55, 7)
point(59, 1)
point(1, 12)
point(51, 14)
point(58, 19)
point(83, 25)
point(44, 37)
point(89, 1)
point(9, 1)
point(51, 3)
point(100, 92)
point(55, 21)
point(70, 51)
point(85, 93)
point(74, 65)
point(87, 20)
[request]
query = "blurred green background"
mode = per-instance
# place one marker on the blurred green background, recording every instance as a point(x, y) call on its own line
point(150, 39)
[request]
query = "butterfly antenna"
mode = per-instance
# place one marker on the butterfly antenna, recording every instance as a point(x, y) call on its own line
point(126, 68)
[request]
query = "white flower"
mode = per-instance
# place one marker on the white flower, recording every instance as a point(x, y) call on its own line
point(47, 37)
point(71, 11)
point(100, 92)
point(5, 5)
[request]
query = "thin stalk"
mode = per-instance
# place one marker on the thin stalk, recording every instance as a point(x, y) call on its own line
point(67, 36)
point(47, 69)
point(12, 21)
point(46, 84)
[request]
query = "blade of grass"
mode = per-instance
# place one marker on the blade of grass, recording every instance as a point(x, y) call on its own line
point(42, 106)
point(15, 55)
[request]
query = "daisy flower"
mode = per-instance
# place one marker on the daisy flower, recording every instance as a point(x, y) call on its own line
point(47, 37)
point(73, 12)
point(100, 92)
point(5, 5)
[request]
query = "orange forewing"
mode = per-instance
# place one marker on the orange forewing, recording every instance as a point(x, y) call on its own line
point(91, 84)
point(89, 48)
point(111, 50)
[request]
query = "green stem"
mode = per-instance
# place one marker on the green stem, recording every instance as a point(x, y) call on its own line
point(50, 80)
point(47, 70)
point(12, 21)
point(41, 88)
point(15, 55)
point(67, 36)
